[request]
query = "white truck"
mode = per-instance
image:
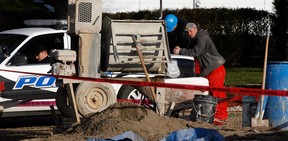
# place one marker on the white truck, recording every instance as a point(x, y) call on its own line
point(91, 47)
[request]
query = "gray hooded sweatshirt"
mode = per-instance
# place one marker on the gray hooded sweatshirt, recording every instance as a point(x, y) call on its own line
point(205, 51)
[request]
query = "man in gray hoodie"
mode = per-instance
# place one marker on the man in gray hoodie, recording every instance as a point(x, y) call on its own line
point(211, 64)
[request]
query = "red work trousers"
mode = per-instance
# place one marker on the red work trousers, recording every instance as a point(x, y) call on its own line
point(216, 79)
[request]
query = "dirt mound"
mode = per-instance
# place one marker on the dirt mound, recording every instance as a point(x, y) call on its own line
point(127, 116)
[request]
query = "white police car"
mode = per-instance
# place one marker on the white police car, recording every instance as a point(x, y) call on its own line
point(31, 93)
point(18, 48)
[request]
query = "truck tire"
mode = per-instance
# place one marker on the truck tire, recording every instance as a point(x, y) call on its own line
point(130, 92)
point(62, 103)
point(94, 97)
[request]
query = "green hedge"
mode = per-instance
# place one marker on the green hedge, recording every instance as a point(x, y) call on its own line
point(239, 34)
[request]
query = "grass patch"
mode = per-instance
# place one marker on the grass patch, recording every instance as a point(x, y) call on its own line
point(236, 76)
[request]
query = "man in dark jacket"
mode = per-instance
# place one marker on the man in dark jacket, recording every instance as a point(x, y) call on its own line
point(176, 32)
point(42, 55)
point(211, 64)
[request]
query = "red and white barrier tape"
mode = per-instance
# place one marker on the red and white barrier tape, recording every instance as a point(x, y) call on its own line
point(232, 90)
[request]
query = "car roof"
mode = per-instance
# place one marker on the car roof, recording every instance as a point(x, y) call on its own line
point(32, 31)
point(174, 56)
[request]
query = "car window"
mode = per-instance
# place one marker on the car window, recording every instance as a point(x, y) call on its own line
point(186, 67)
point(8, 42)
point(32, 47)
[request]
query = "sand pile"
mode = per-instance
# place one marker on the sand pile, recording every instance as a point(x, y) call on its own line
point(126, 116)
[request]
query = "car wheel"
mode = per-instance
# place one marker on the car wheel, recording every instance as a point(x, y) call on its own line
point(63, 103)
point(94, 97)
point(137, 93)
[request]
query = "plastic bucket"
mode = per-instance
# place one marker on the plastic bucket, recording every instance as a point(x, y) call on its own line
point(277, 106)
point(204, 108)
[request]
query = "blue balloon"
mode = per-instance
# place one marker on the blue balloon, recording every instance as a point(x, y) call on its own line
point(171, 22)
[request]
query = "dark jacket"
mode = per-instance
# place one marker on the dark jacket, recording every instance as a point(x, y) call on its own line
point(178, 36)
point(205, 51)
point(45, 60)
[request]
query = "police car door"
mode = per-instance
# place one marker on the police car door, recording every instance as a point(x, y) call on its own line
point(25, 80)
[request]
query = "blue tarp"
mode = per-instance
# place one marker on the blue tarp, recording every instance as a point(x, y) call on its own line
point(190, 134)
point(126, 136)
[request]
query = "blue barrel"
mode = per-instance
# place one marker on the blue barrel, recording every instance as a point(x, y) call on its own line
point(277, 106)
